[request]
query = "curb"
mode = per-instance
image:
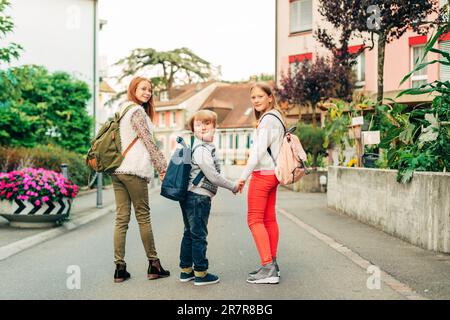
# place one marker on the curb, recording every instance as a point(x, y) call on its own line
point(21, 245)
point(26, 243)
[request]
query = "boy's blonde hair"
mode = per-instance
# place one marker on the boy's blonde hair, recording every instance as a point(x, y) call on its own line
point(203, 115)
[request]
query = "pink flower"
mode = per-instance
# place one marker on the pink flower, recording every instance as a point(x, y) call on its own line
point(45, 199)
point(37, 202)
point(8, 195)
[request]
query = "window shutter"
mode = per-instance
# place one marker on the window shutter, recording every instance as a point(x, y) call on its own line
point(445, 70)
point(306, 15)
point(301, 15)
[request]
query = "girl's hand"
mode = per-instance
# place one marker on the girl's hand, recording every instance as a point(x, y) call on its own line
point(241, 185)
point(162, 175)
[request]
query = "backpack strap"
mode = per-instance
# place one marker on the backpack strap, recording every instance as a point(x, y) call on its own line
point(130, 146)
point(284, 129)
point(200, 175)
point(126, 110)
point(273, 114)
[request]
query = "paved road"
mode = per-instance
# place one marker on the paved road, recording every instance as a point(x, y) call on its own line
point(310, 268)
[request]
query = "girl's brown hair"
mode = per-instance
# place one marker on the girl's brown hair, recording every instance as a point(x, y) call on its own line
point(149, 107)
point(273, 105)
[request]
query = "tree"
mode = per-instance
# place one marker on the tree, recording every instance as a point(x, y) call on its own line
point(38, 107)
point(340, 14)
point(176, 64)
point(309, 84)
point(6, 26)
point(388, 20)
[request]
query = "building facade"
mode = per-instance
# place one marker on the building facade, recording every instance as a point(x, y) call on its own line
point(298, 20)
point(172, 114)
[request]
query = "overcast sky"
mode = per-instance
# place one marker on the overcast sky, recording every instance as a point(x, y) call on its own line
point(239, 35)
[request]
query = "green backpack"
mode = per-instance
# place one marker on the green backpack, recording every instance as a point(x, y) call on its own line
point(104, 154)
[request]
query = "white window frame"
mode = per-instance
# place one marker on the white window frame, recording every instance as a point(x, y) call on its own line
point(415, 78)
point(164, 96)
point(173, 118)
point(300, 27)
point(358, 69)
point(162, 119)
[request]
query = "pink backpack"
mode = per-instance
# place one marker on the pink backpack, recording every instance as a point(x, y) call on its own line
point(289, 167)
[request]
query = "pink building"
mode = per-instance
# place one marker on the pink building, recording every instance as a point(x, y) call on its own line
point(296, 23)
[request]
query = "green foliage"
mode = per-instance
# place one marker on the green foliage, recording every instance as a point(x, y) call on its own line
point(312, 139)
point(47, 157)
point(41, 107)
point(419, 140)
point(11, 51)
point(336, 129)
point(177, 64)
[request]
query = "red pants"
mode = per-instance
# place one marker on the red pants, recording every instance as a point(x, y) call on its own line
point(261, 218)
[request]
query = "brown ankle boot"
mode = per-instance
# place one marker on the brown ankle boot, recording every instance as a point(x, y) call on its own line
point(155, 270)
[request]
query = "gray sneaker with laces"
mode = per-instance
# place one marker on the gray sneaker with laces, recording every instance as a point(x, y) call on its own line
point(267, 274)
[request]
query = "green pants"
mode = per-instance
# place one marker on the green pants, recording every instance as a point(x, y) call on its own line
point(132, 189)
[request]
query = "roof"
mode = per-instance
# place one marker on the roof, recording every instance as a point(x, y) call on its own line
point(105, 87)
point(179, 94)
point(232, 104)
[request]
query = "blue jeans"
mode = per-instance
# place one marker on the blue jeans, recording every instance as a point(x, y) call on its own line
point(195, 209)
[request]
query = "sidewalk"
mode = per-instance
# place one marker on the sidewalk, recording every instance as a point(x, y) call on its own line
point(84, 210)
point(425, 271)
point(84, 204)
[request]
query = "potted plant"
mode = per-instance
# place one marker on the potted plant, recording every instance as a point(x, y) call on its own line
point(35, 197)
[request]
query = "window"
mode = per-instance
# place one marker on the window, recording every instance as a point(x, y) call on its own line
point(444, 71)
point(299, 58)
point(419, 77)
point(164, 96)
point(162, 119)
point(300, 15)
point(360, 70)
point(230, 146)
point(248, 141)
point(237, 142)
point(220, 141)
point(173, 118)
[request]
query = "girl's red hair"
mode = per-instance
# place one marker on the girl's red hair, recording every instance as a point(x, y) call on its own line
point(149, 107)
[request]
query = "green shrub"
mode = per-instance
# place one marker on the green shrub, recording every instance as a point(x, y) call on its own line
point(312, 140)
point(47, 157)
point(39, 107)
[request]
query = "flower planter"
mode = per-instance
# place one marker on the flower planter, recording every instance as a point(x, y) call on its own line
point(25, 214)
point(35, 198)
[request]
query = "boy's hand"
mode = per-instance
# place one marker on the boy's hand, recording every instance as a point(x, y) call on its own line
point(162, 175)
point(241, 184)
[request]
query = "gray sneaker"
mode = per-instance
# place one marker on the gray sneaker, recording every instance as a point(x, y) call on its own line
point(276, 267)
point(254, 272)
point(267, 274)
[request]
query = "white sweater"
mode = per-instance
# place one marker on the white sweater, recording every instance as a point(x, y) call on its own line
point(269, 133)
point(137, 161)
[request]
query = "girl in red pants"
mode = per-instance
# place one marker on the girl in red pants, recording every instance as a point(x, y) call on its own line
point(263, 185)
